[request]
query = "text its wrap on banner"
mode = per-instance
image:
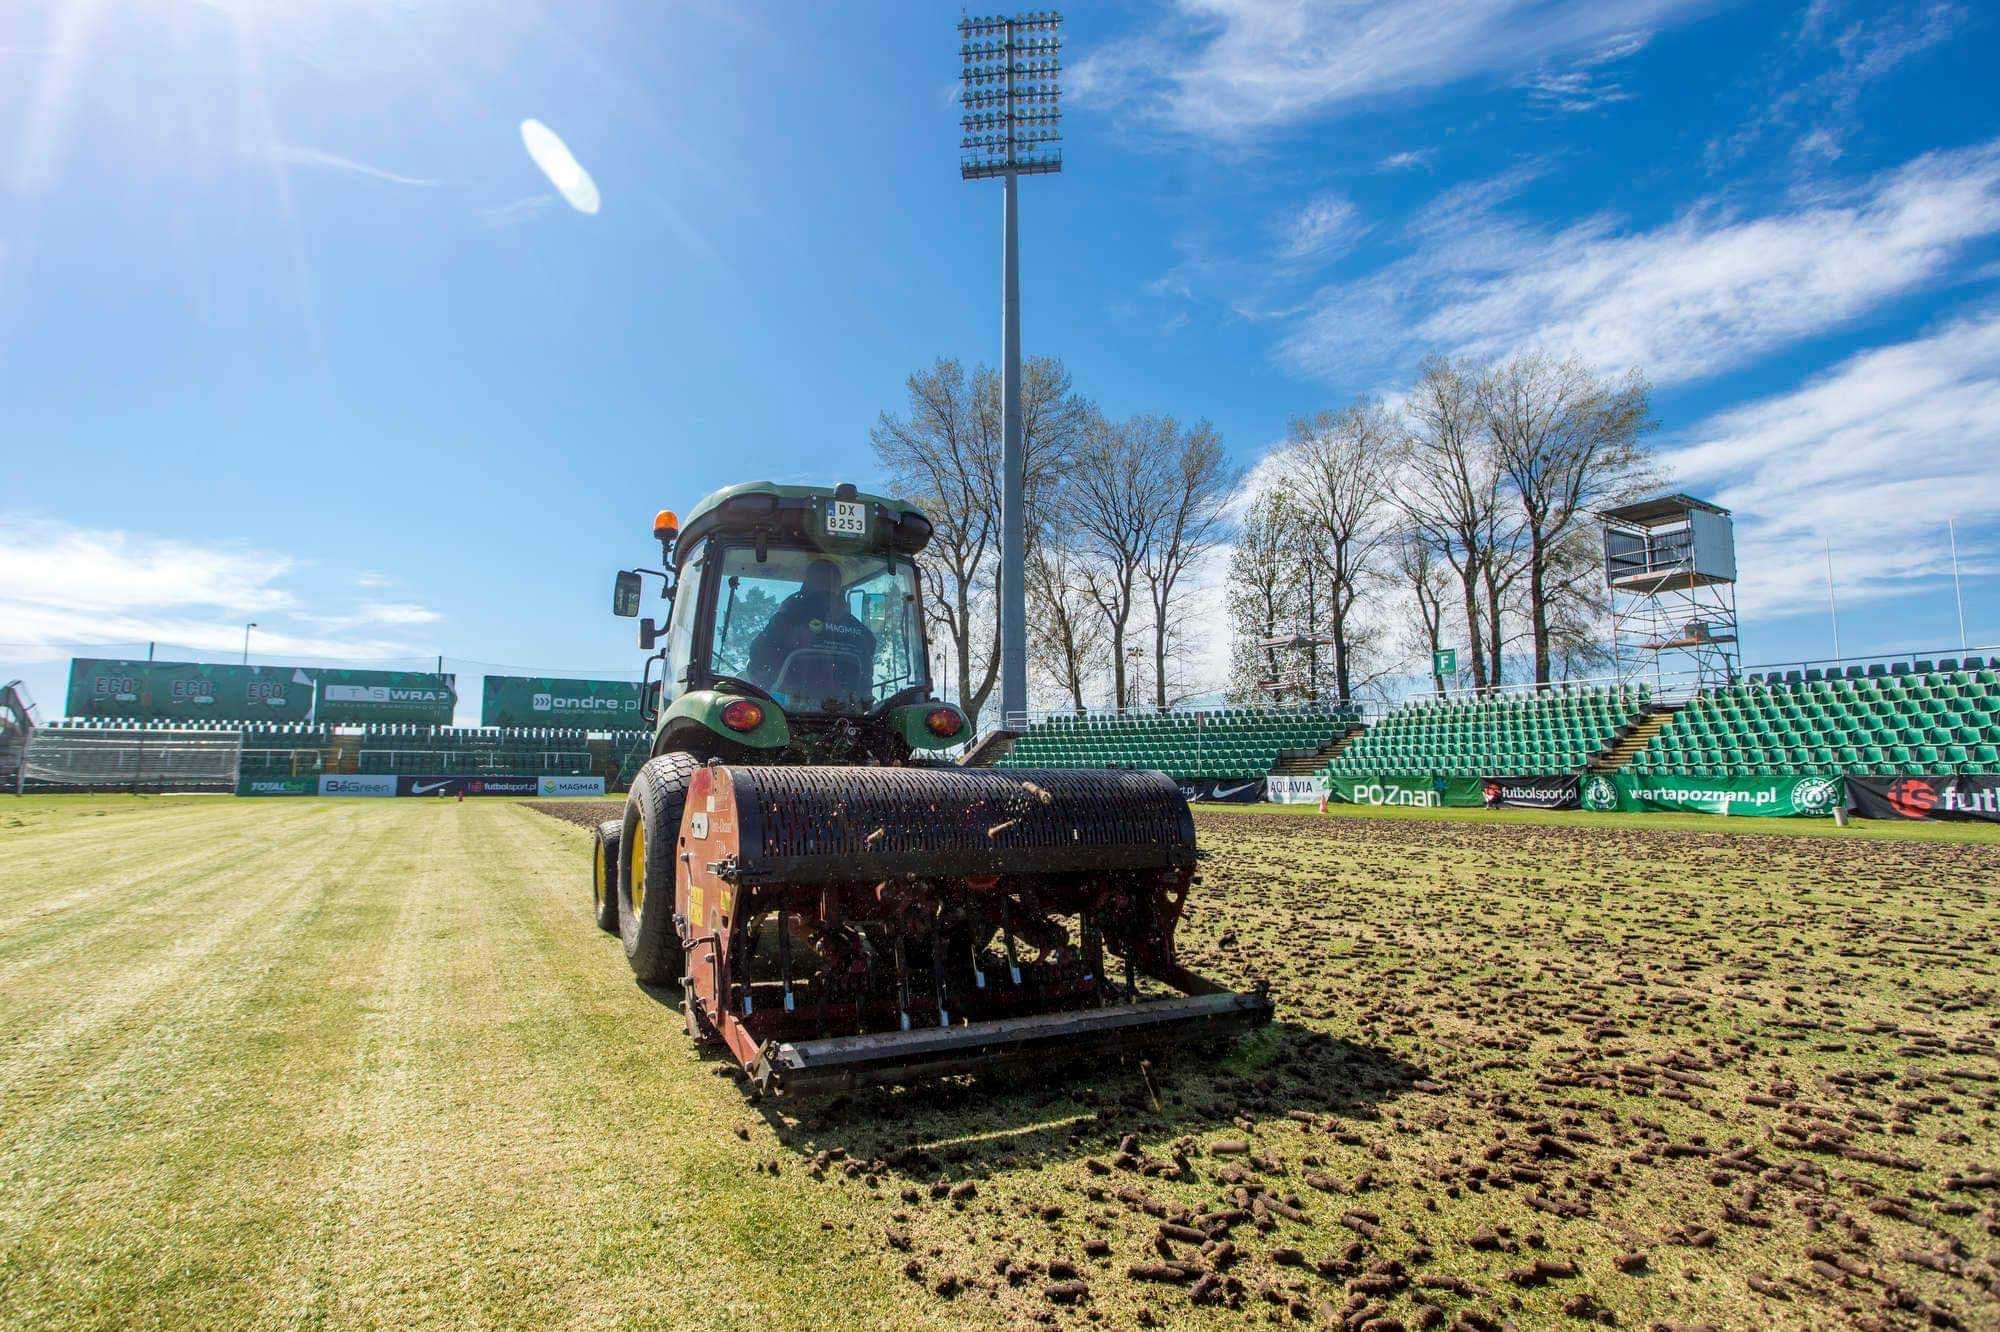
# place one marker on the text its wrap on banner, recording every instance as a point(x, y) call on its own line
point(187, 691)
point(1556, 791)
point(1283, 790)
point(456, 785)
point(569, 786)
point(350, 697)
point(1222, 790)
point(1967, 796)
point(277, 786)
point(537, 700)
point(1418, 792)
point(357, 784)
point(1779, 797)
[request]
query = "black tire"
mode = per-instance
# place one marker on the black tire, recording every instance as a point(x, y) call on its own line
point(646, 889)
point(604, 891)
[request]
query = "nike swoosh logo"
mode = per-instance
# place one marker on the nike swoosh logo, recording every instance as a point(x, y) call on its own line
point(1225, 794)
point(425, 788)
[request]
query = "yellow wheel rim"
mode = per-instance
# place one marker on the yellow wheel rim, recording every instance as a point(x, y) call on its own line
point(597, 874)
point(638, 873)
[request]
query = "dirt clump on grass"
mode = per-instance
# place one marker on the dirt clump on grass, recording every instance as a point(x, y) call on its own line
point(1520, 1075)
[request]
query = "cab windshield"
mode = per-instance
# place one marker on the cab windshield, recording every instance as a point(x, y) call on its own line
point(818, 632)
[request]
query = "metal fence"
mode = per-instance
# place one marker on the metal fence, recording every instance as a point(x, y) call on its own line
point(153, 760)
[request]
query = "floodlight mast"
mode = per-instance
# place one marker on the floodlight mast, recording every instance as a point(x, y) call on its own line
point(1012, 120)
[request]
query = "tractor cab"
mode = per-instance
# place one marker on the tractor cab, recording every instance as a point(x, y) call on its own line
point(795, 630)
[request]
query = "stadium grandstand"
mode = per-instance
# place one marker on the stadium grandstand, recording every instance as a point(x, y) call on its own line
point(1223, 743)
point(1548, 731)
point(1921, 716)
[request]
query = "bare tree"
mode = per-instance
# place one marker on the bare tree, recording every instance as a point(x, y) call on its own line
point(1111, 509)
point(1567, 442)
point(944, 456)
point(1065, 632)
point(1265, 594)
point(1194, 486)
point(1421, 569)
point(1337, 466)
point(1449, 489)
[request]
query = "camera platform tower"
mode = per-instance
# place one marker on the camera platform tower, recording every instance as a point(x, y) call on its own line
point(1670, 565)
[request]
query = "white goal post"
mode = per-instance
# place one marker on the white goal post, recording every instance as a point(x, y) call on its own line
point(61, 758)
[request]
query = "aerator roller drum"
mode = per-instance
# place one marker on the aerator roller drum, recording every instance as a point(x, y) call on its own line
point(847, 925)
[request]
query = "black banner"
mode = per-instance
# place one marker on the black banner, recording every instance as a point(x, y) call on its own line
point(1224, 790)
point(1965, 797)
point(466, 785)
point(1549, 792)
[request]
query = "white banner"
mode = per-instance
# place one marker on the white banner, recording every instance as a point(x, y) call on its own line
point(570, 786)
point(357, 784)
point(1295, 790)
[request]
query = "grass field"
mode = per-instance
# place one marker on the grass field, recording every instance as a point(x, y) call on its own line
point(368, 1063)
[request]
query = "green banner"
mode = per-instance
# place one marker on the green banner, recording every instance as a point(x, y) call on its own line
point(360, 697)
point(536, 700)
point(1418, 791)
point(1762, 797)
point(277, 786)
point(187, 691)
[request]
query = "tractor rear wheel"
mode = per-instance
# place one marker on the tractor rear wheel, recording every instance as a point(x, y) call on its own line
point(604, 873)
point(652, 829)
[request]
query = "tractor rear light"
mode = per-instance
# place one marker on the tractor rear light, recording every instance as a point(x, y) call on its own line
point(944, 722)
point(742, 715)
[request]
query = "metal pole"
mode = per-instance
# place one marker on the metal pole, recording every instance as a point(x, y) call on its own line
point(1957, 588)
point(246, 641)
point(1013, 522)
point(1832, 610)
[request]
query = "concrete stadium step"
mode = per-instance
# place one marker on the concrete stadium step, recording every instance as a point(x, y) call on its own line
point(989, 749)
point(1614, 756)
point(1306, 762)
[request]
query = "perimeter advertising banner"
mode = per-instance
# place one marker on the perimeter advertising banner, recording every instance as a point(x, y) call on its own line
point(496, 785)
point(1911, 796)
point(1760, 797)
point(277, 786)
point(1415, 792)
point(535, 700)
point(349, 697)
point(1284, 790)
point(187, 691)
point(1548, 792)
point(357, 784)
point(1223, 790)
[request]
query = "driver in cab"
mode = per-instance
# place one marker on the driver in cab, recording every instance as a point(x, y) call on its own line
point(814, 620)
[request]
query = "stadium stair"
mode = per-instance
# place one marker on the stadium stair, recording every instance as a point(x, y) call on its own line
point(1306, 762)
point(1621, 751)
point(989, 749)
point(345, 756)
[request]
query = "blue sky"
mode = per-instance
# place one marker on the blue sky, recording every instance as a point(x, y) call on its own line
point(294, 330)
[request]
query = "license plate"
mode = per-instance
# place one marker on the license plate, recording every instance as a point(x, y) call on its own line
point(846, 518)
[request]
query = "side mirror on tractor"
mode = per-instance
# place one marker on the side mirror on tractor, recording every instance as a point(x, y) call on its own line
point(625, 595)
point(650, 633)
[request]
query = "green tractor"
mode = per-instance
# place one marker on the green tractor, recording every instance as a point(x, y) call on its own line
point(838, 903)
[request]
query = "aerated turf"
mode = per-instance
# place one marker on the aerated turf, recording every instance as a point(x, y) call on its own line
point(370, 1062)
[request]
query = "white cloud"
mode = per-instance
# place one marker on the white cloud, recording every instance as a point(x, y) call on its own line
point(1705, 292)
point(1862, 51)
point(292, 154)
point(1874, 455)
point(62, 586)
point(1408, 161)
point(555, 160)
point(1326, 224)
point(1229, 68)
